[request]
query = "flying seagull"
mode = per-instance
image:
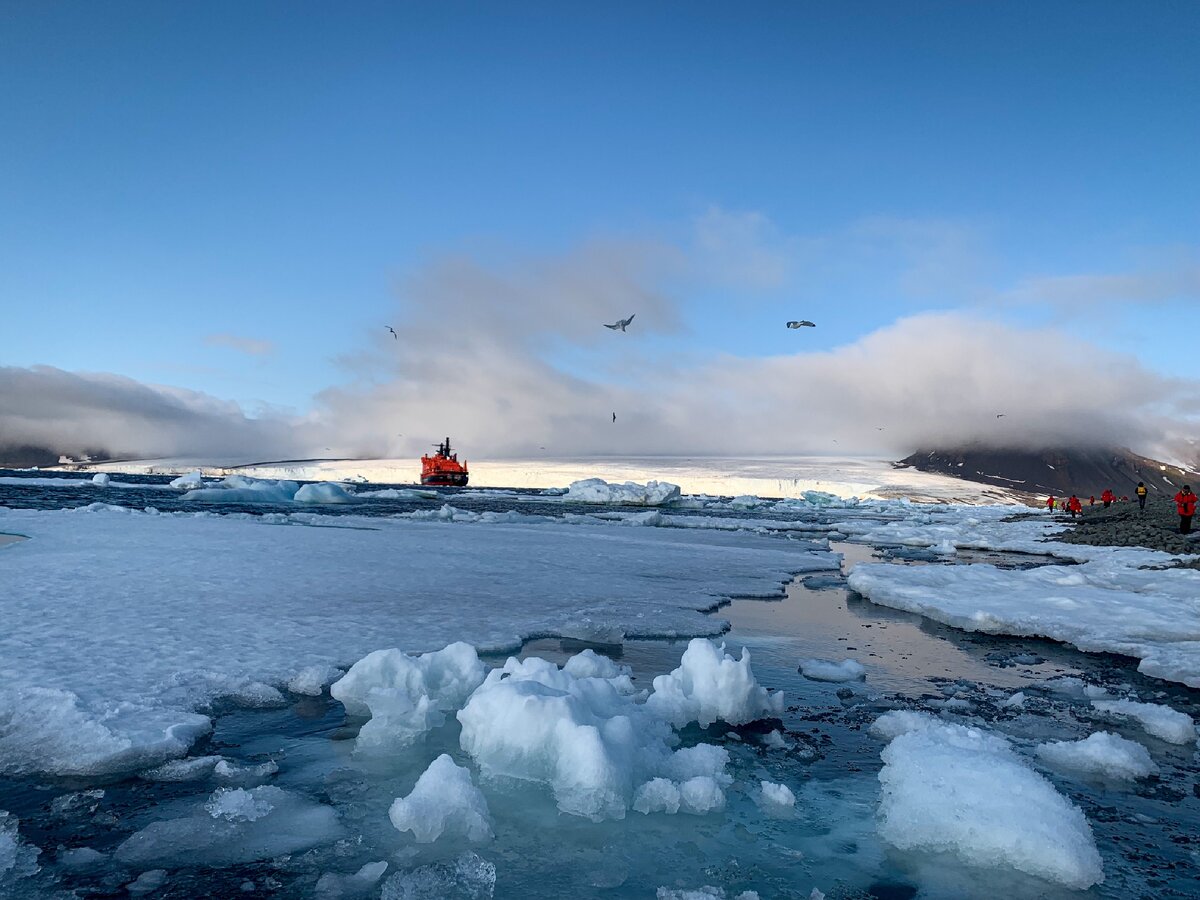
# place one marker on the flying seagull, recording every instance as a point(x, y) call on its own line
point(614, 417)
point(803, 323)
point(393, 331)
point(999, 415)
point(620, 324)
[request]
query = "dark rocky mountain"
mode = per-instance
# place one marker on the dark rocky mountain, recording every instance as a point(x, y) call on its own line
point(1084, 472)
point(24, 457)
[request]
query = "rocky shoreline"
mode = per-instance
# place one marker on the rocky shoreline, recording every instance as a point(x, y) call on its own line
point(1124, 525)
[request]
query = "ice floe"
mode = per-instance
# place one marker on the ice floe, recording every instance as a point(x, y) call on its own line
point(828, 670)
point(232, 828)
point(952, 789)
point(1102, 754)
point(1160, 721)
point(1108, 604)
point(597, 490)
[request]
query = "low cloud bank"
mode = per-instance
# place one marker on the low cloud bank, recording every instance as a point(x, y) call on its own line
point(511, 360)
point(76, 413)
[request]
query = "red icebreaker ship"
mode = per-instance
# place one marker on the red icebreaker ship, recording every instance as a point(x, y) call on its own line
point(443, 468)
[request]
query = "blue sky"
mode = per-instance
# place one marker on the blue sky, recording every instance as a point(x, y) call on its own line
point(179, 179)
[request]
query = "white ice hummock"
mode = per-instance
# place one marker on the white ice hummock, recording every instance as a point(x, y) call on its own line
point(710, 686)
point(597, 490)
point(582, 732)
point(406, 696)
point(952, 789)
point(444, 801)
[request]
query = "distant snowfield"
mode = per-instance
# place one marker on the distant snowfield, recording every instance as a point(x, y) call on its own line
point(874, 478)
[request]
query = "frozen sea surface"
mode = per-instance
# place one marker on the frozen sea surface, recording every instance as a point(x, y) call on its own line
point(281, 798)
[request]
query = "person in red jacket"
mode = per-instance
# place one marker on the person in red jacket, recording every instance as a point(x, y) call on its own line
point(1107, 497)
point(1050, 503)
point(1185, 504)
point(1074, 507)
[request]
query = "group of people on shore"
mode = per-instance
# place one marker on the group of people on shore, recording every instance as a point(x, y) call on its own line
point(1185, 504)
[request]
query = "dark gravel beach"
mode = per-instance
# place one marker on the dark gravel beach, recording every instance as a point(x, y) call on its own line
point(1124, 525)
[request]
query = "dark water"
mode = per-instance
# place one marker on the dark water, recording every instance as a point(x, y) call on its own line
point(1148, 833)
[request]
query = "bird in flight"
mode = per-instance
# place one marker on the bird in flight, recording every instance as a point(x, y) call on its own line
point(614, 417)
point(999, 415)
point(803, 323)
point(620, 324)
point(393, 331)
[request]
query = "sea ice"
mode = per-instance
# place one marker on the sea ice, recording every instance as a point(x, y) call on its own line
point(147, 882)
point(1161, 721)
point(707, 892)
point(1103, 754)
point(444, 801)
point(1107, 604)
point(240, 489)
point(589, 740)
point(101, 479)
point(407, 696)
point(469, 877)
point(17, 859)
point(189, 481)
point(828, 670)
point(775, 799)
point(324, 492)
point(949, 788)
point(79, 858)
point(312, 680)
point(901, 721)
point(261, 823)
point(597, 490)
point(333, 886)
point(711, 686)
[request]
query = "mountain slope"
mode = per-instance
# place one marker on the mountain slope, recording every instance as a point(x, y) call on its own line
point(1085, 472)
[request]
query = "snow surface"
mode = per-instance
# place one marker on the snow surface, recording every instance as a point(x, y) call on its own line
point(1161, 721)
point(444, 801)
point(952, 789)
point(828, 670)
point(118, 623)
point(1103, 754)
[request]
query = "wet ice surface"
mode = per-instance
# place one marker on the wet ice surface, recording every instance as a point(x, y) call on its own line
point(820, 749)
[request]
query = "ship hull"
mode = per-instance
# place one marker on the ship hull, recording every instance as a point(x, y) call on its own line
point(445, 479)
